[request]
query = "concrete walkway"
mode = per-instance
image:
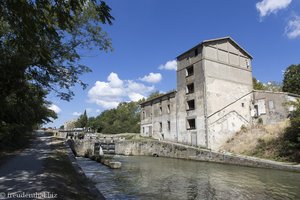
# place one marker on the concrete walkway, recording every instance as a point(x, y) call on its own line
point(23, 173)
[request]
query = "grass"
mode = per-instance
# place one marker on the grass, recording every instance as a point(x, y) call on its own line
point(264, 141)
point(62, 178)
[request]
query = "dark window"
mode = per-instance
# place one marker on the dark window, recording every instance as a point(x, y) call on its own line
point(144, 115)
point(190, 88)
point(191, 104)
point(190, 70)
point(191, 124)
point(243, 104)
point(169, 125)
point(168, 108)
point(196, 52)
point(160, 110)
point(160, 127)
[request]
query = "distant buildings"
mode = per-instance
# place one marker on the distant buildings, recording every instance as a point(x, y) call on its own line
point(214, 98)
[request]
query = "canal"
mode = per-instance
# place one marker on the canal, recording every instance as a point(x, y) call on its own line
point(165, 178)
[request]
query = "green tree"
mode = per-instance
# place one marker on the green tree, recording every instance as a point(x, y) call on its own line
point(82, 121)
point(291, 80)
point(40, 40)
point(257, 85)
point(24, 110)
point(123, 119)
point(39, 51)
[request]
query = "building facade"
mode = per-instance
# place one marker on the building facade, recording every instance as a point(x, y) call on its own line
point(214, 97)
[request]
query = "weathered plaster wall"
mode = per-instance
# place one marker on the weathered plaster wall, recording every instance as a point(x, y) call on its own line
point(156, 116)
point(196, 136)
point(228, 89)
point(271, 106)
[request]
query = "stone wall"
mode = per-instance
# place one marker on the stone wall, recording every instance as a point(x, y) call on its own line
point(173, 150)
point(165, 149)
point(82, 147)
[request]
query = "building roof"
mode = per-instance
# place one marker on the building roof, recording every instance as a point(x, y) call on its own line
point(218, 39)
point(159, 97)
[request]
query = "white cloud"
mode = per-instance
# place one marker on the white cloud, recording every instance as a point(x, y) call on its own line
point(110, 94)
point(135, 96)
point(170, 65)
point(152, 78)
point(292, 30)
point(55, 108)
point(114, 80)
point(76, 113)
point(267, 7)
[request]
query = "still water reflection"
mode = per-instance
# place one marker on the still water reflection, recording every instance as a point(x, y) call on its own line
point(165, 178)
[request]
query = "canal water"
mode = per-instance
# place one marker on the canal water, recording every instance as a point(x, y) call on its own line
point(165, 178)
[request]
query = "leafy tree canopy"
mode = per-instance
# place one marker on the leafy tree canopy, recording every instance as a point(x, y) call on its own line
point(39, 45)
point(291, 80)
point(257, 85)
point(40, 39)
point(123, 119)
point(270, 86)
point(82, 121)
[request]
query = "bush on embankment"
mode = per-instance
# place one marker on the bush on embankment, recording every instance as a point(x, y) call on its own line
point(280, 142)
point(286, 147)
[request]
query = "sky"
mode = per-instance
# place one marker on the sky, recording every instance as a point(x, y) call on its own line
point(148, 35)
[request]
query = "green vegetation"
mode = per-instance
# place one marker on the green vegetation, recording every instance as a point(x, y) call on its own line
point(291, 80)
point(257, 85)
point(39, 53)
point(82, 121)
point(123, 119)
point(21, 112)
point(286, 147)
point(270, 86)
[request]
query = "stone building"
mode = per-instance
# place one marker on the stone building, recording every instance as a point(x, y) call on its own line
point(214, 98)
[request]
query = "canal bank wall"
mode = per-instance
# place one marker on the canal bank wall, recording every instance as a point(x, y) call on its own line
point(174, 150)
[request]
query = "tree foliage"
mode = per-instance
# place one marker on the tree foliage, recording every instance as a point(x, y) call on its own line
point(123, 119)
point(257, 85)
point(291, 80)
point(82, 121)
point(272, 86)
point(39, 51)
point(24, 110)
point(40, 40)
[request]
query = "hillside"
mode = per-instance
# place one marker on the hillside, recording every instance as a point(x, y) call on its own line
point(264, 141)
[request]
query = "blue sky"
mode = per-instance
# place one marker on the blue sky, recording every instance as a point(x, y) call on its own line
point(147, 35)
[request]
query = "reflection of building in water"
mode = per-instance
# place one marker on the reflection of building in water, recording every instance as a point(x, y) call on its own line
point(214, 98)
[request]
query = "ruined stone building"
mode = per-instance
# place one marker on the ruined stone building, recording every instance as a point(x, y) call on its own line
point(214, 98)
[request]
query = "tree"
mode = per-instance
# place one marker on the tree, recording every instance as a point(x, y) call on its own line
point(39, 45)
point(257, 85)
point(123, 119)
point(291, 80)
point(40, 39)
point(82, 121)
point(25, 109)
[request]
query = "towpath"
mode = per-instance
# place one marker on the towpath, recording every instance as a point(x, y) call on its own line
point(42, 171)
